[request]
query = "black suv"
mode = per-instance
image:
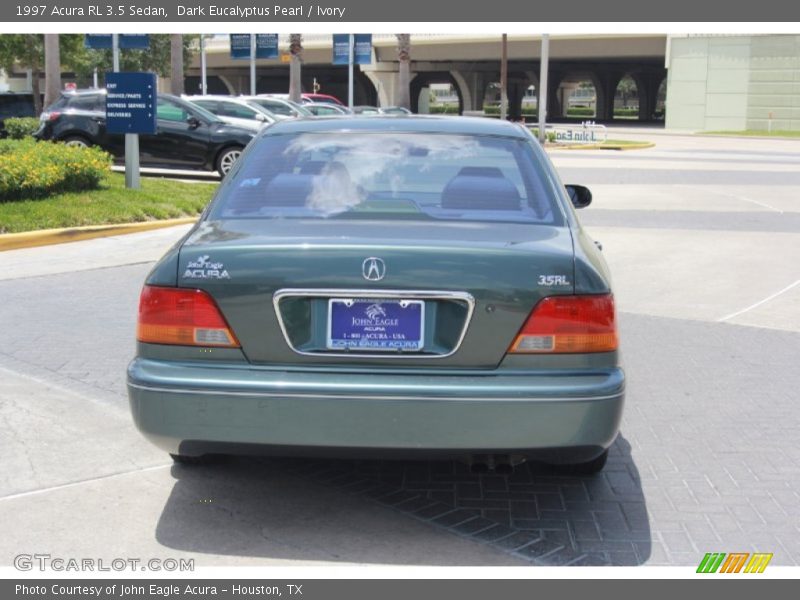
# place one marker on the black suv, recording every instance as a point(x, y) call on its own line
point(14, 105)
point(187, 136)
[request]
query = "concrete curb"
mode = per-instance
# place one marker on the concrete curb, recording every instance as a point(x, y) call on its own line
point(632, 146)
point(47, 237)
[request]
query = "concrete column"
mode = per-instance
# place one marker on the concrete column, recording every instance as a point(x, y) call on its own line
point(553, 102)
point(464, 90)
point(385, 83)
point(516, 90)
point(605, 85)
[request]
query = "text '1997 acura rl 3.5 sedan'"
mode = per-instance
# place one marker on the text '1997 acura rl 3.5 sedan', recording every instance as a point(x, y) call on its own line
point(407, 286)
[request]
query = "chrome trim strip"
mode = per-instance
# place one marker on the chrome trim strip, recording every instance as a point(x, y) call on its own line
point(259, 394)
point(363, 293)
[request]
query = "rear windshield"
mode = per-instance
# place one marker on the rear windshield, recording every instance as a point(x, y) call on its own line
point(390, 176)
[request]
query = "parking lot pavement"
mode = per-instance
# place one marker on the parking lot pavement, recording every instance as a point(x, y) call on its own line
point(707, 459)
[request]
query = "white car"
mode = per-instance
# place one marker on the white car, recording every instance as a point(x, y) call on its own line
point(235, 111)
point(279, 106)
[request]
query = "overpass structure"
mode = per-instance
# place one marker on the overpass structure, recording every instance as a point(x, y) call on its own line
point(470, 63)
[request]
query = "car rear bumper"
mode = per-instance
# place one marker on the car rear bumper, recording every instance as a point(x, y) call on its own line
point(191, 408)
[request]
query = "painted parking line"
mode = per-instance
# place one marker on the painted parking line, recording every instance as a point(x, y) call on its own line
point(760, 302)
point(72, 484)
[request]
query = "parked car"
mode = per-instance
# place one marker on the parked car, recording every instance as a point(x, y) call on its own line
point(235, 111)
point(187, 136)
point(312, 98)
point(279, 106)
point(14, 105)
point(418, 286)
point(321, 99)
point(394, 110)
point(366, 110)
point(325, 109)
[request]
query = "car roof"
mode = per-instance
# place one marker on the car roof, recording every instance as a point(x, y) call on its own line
point(400, 123)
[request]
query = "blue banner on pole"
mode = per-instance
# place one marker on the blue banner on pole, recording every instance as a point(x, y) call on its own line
point(362, 55)
point(341, 48)
point(131, 102)
point(266, 45)
point(127, 41)
point(362, 48)
point(240, 45)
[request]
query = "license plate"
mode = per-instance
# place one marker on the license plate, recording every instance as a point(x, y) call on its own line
point(376, 324)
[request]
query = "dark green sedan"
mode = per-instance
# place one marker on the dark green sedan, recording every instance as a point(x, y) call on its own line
point(395, 286)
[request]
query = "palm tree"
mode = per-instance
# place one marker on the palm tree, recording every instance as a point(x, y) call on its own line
point(52, 68)
point(176, 64)
point(296, 51)
point(403, 92)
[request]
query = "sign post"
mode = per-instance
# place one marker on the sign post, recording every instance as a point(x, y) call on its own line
point(352, 49)
point(543, 69)
point(252, 46)
point(131, 110)
point(252, 64)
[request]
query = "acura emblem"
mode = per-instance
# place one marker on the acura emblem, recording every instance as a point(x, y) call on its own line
point(373, 268)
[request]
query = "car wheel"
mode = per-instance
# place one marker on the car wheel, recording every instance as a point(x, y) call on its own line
point(183, 459)
point(77, 141)
point(227, 158)
point(591, 467)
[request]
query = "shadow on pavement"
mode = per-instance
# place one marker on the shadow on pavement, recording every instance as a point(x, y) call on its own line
point(335, 510)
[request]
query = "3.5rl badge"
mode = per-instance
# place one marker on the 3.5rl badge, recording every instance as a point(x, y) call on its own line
point(203, 268)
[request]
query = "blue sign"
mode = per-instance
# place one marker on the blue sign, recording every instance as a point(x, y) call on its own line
point(362, 50)
point(134, 41)
point(104, 41)
point(131, 102)
point(266, 45)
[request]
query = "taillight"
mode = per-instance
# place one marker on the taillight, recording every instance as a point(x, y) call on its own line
point(569, 324)
point(185, 317)
point(52, 116)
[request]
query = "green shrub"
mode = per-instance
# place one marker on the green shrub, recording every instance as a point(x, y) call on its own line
point(580, 111)
point(626, 112)
point(21, 127)
point(30, 169)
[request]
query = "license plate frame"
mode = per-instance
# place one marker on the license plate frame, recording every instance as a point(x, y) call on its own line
point(378, 332)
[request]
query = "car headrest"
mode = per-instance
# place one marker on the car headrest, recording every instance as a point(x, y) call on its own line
point(288, 189)
point(479, 192)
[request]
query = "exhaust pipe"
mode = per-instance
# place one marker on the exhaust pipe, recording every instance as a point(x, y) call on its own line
point(491, 463)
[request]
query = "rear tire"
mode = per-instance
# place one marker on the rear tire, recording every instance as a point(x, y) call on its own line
point(227, 158)
point(591, 467)
point(183, 459)
point(76, 141)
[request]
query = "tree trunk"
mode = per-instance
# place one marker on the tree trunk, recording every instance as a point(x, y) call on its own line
point(37, 91)
point(176, 64)
point(52, 68)
point(402, 95)
point(295, 67)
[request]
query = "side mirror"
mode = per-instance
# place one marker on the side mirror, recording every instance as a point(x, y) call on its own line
point(193, 122)
point(260, 117)
point(580, 196)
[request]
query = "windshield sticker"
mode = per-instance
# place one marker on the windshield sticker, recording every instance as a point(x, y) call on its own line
point(203, 268)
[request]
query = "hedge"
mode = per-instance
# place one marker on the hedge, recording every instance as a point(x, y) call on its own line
point(21, 127)
point(30, 169)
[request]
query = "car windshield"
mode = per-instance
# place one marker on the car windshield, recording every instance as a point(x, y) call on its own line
point(390, 176)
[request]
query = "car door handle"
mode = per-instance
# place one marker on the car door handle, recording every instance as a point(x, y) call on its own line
point(599, 245)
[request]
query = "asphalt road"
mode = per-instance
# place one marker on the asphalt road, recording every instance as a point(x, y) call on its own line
point(703, 238)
